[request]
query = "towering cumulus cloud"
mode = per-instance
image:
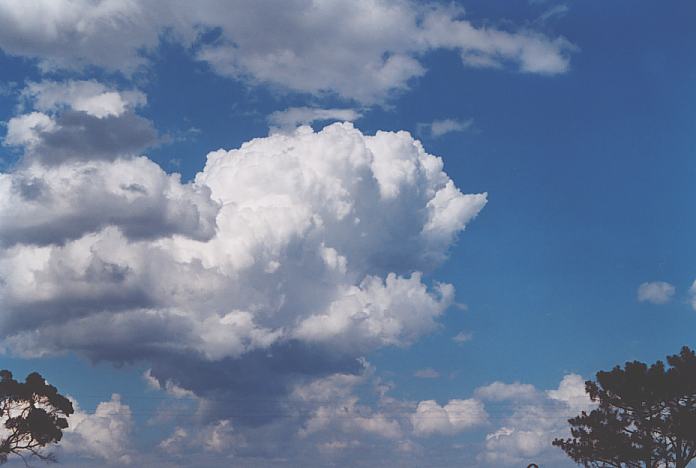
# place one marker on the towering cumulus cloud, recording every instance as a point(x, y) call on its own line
point(285, 259)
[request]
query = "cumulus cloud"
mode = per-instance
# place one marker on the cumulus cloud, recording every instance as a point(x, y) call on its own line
point(362, 52)
point(500, 391)
point(438, 128)
point(79, 120)
point(526, 432)
point(655, 292)
point(286, 258)
point(456, 416)
point(104, 434)
point(462, 337)
point(88, 96)
point(293, 117)
point(45, 205)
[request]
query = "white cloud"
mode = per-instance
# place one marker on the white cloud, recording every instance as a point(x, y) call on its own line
point(531, 425)
point(79, 120)
point(215, 437)
point(462, 337)
point(456, 416)
point(88, 96)
point(500, 391)
point(438, 128)
point(104, 434)
point(363, 52)
point(25, 130)
point(427, 373)
point(692, 291)
point(337, 411)
point(290, 256)
point(571, 391)
point(293, 117)
point(656, 292)
point(169, 387)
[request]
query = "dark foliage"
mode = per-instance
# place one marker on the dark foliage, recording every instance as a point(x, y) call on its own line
point(34, 415)
point(646, 416)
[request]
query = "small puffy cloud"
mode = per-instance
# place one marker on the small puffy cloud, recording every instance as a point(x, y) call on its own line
point(427, 373)
point(456, 416)
point(104, 434)
point(376, 46)
point(462, 337)
point(89, 96)
point(26, 129)
point(571, 391)
point(169, 387)
point(500, 391)
point(692, 292)
point(79, 120)
point(656, 292)
point(439, 128)
point(293, 117)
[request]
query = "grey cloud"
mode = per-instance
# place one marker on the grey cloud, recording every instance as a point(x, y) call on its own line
point(46, 206)
point(81, 136)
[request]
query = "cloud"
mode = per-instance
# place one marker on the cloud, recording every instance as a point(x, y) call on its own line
point(221, 284)
point(426, 374)
point(462, 337)
point(365, 52)
point(554, 11)
point(499, 391)
point(438, 128)
point(692, 292)
point(526, 432)
point(104, 434)
point(88, 96)
point(46, 205)
point(79, 120)
point(293, 117)
point(456, 416)
point(656, 292)
point(26, 129)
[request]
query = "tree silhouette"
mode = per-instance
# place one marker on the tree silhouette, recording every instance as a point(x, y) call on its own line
point(646, 416)
point(33, 415)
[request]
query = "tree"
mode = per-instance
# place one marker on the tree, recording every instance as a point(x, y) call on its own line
point(646, 417)
point(34, 415)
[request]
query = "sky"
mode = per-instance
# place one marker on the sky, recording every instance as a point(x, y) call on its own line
point(325, 233)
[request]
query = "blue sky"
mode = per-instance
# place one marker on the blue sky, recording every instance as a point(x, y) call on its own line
point(575, 118)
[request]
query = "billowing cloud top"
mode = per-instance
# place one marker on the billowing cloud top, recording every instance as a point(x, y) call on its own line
point(291, 242)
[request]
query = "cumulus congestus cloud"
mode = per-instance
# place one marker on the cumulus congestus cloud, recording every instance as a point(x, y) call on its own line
point(285, 259)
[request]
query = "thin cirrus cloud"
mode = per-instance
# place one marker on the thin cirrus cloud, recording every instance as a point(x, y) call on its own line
point(426, 373)
point(438, 128)
point(656, 292)
point(328, 47)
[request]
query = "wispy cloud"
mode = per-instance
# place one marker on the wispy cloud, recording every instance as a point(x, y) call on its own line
point(293, 117)
point(427, 373)
point(438, 128)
